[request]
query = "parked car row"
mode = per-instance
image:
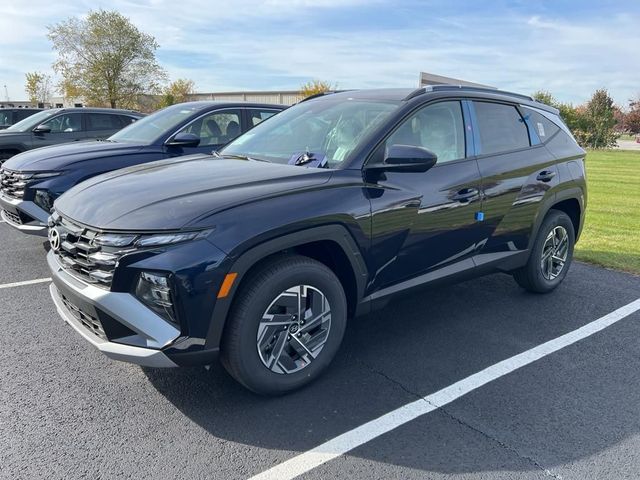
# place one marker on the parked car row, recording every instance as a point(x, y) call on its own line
point(62, 125)
point(9, 116)
point(257, 252)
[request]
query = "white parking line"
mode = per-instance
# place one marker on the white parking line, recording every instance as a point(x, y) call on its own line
point(26, 282)
point(354, 438)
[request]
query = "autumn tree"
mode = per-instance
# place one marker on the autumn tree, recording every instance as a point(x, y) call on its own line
point(105, 59)
point(177, 91)
point(632, 117)
point(598, 121)
point(314, 87)
point(38, 87)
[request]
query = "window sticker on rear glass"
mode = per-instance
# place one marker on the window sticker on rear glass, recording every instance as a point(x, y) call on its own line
point(540, 129)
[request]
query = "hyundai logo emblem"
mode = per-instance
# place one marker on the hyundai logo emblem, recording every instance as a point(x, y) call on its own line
point(54, 239)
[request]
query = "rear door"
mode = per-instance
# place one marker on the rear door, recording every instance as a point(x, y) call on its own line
point(426, 222)
point(66, 127)
point(517, 171)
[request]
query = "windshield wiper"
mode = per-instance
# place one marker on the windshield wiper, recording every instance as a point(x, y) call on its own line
point(217, 154)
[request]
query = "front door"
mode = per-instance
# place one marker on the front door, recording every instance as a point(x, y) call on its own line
point(426, 222)
point(66, 127)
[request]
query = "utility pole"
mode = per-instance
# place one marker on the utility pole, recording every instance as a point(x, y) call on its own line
point(6, 93)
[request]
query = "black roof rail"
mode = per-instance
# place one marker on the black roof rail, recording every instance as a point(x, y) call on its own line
point(316, 95)
point(444, 88)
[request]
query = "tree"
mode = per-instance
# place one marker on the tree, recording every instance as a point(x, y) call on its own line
point(314, 87)
point(632, 117)
point(38, 87)
point(177, 91)
point(105, 59)
point(544, 96)
point(598, 121)
point(568, 112)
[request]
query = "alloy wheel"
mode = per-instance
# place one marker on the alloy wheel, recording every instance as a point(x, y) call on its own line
point(294, 329)
point(554, 252)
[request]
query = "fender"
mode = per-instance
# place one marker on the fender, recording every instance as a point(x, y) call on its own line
point(335, 233)
point(575, 193)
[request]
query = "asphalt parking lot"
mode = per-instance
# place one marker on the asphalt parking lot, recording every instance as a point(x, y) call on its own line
point(66, 411)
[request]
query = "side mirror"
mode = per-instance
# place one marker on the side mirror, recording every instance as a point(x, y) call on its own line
point(42, 129)
point(184, 140)
point(406, 158)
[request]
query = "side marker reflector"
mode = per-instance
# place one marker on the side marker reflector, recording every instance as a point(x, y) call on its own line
point(227, 283)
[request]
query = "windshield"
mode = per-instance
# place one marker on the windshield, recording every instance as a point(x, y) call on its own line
point(31, 122)
point(149, 129)
point(329, 128)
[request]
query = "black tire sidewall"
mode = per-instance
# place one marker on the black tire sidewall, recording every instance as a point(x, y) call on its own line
point(554, 219)
point(248, 365)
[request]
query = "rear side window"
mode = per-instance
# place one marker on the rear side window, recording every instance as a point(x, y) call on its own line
point(501, 128)
point(256, 116)
point(102, 121)
point(125, 120)
point(22, 114)
point(541, 125)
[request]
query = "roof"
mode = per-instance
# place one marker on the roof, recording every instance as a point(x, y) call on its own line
point(406, 94)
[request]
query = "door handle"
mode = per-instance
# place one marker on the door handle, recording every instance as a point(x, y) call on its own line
point(466, 194)
point(546, 175)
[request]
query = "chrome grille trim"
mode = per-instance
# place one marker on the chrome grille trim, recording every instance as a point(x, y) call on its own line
point(88, 321)
point(10, 185)
point(12, 217)
point(76, 247)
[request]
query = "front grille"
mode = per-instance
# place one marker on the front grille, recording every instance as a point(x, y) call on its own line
point(88, 321)
point(12, 217)
point(11, 185)
point(79, 254)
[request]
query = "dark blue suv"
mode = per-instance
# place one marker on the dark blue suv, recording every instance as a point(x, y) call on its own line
point(31, 181)
point(322, 213)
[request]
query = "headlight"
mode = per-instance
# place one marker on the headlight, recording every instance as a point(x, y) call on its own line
point(152, 240)
point(154, 291)
point(169, 238)
point(37, 176)
point(44, 200)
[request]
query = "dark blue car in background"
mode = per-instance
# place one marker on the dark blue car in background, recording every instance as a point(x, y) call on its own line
point(31, 181)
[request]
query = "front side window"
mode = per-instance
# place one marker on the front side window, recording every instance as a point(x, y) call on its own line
point(329, 128)
point(438, 127)
point(217, 128)
point(65, 123)
point(501, 128)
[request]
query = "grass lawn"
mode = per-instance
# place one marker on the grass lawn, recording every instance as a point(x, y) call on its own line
point(611, 235)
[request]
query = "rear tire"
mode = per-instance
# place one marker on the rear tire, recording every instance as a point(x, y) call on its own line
point(551, 255)
point(285, 326)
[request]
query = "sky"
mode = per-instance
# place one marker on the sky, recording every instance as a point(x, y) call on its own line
point(569, 48)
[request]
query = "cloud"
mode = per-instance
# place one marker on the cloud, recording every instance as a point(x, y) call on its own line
point(278, 44)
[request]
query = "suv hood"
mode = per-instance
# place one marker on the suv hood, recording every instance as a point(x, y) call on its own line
point(57, 157)
point(171, 194)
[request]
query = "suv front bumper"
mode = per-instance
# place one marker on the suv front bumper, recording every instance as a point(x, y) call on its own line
point(116, 323)
point(24, 215)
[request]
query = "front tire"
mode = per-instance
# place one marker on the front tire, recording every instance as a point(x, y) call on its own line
point(285, 326)
point(550, 256)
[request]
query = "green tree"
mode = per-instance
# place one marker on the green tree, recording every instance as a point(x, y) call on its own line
point(598, 121)
point(544, 96)
point(38, 87)
point(314, 87)
point(177, 91)
point(105, 59)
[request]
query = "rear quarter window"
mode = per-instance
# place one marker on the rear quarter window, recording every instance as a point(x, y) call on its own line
point(541, 125)
point(501, 128)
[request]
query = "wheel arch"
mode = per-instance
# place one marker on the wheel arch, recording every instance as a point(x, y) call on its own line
point(331, 245)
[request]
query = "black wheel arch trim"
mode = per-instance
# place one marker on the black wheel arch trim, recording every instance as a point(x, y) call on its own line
point(573, 193)
point(243, 263)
